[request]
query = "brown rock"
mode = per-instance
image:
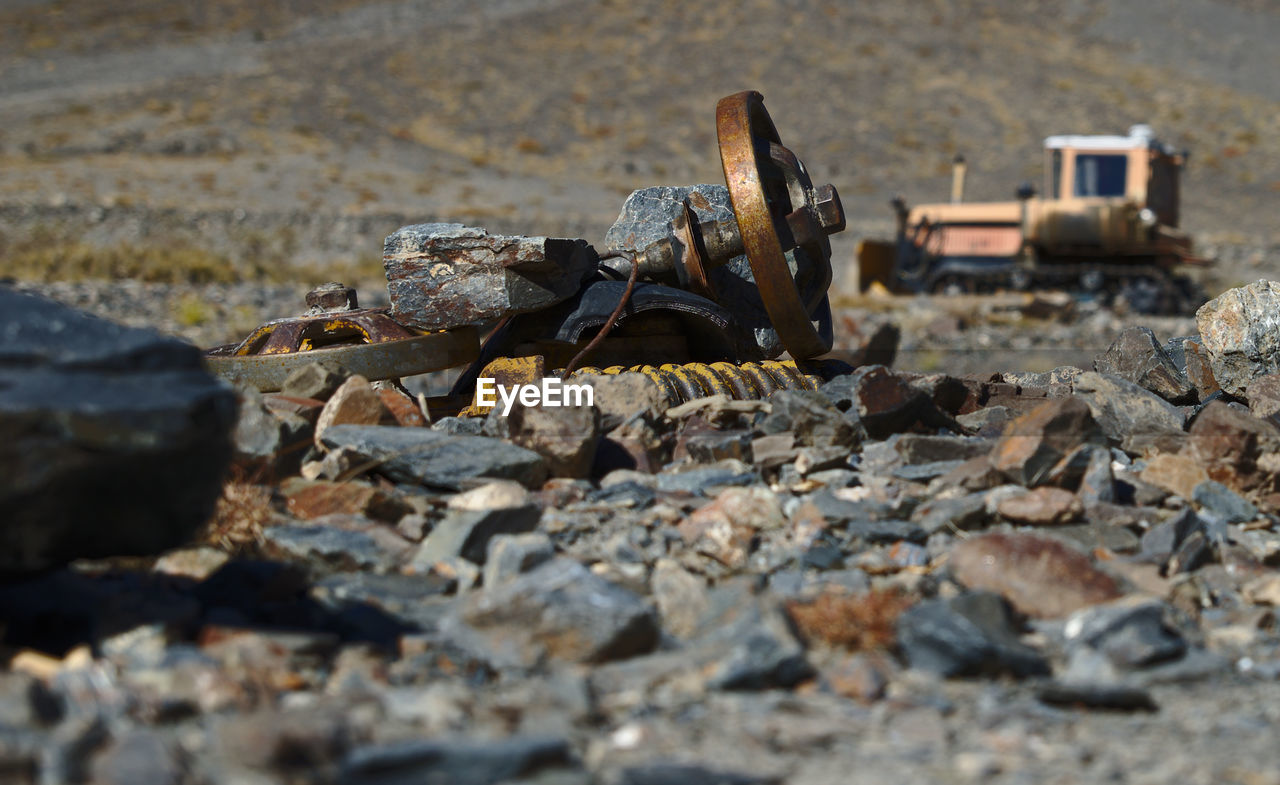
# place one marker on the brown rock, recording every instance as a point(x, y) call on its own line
point(307, 408)
point(1040, 576)
point(1199, 368)
point(1138, 357)
point(1042, 507)
point(1177, 473)
point(566, 436)
point(448, 275)
point(354, 403)
point(975, 474)
point(1228, 442)
point(1264, 395)
point(725, 528)
point(312, 499)
point(404, 409)
point(1035, 442)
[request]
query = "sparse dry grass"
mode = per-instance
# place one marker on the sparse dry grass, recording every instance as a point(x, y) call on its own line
point(858, 622)
point(241, 513)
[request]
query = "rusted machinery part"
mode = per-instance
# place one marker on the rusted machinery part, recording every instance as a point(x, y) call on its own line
point(607, 327)
point(773, 199)
point(388, 359)
point(746, 381)
point(315, 331)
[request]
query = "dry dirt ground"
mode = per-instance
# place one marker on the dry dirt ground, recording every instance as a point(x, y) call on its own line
point(221, 156)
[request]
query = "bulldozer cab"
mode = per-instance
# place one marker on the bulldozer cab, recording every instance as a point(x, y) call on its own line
point(1137, 168)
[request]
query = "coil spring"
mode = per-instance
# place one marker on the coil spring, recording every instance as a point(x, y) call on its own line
point(745, 381)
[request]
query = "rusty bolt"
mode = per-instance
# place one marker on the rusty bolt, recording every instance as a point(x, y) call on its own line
point(332, 296)
point(830, 211)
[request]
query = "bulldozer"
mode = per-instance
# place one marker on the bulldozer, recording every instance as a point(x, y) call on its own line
point(1106, 228)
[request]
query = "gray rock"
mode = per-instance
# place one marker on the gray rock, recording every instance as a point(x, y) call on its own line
point(918, 448)
point(26, 701)
point(706, 480)
point(466, 533)
point(514, 554)
point(1133, 632)
point(746, 642)
point(316, 380)
point(436, 459)
point(681, 597)
point(449, 275)
point(1220, 501)
point(140, 755)
point(962, 512)
point(1136, 356)
point(814, 420)
point(1240, 328)
point(114, 438)
point(968, 635)
point(687, 774)
point(456, 761)
point(1129, 415)
point(559, 610)
point(358, 544)
point(408, 601)
point(266, 442)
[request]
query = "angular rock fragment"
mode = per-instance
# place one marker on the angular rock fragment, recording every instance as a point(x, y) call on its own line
point(726, 528)
point(355, 402)
point(1042, 507)
point(1132, 632)
point(1034, 443)
point(1264, 396)
point(449, 275)
point(969, 635)
point(471, 762)
point(316, 381)
point(1240, 329)
point(561, 610)
point(338, 542)
point(1040, 576)
point(1232, 446)
point(1131, 416)
point(811, 417)
point(513, 554)
point(474, 518)
point(1136, 356)
point(114, 439)
point(268, 443)
point(565, 436)
point(434, 458)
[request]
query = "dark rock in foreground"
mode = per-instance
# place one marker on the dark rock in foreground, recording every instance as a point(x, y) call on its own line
point(114, 438)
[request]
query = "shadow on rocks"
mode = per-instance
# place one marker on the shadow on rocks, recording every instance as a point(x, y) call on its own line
point(60, 609)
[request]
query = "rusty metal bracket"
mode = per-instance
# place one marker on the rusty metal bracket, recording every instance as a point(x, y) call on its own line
point(779, 212)
point(363, 341)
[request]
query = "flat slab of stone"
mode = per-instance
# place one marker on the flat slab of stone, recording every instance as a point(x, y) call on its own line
point(448, 275)
point(435, 458)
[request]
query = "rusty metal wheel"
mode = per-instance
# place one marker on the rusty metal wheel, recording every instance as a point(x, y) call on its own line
point(780, 214)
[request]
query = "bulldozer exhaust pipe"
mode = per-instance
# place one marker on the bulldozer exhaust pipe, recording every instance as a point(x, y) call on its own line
point(957, 179)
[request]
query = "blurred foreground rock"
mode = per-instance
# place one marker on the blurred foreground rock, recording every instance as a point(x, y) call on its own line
point(113, 440)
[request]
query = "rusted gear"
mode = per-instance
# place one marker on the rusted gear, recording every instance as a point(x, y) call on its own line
point(364, 341)
point(779, 212)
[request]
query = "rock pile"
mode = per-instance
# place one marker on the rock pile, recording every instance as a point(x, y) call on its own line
point(894, 573)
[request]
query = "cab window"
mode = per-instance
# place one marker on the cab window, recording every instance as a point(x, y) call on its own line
point(1101, 174)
